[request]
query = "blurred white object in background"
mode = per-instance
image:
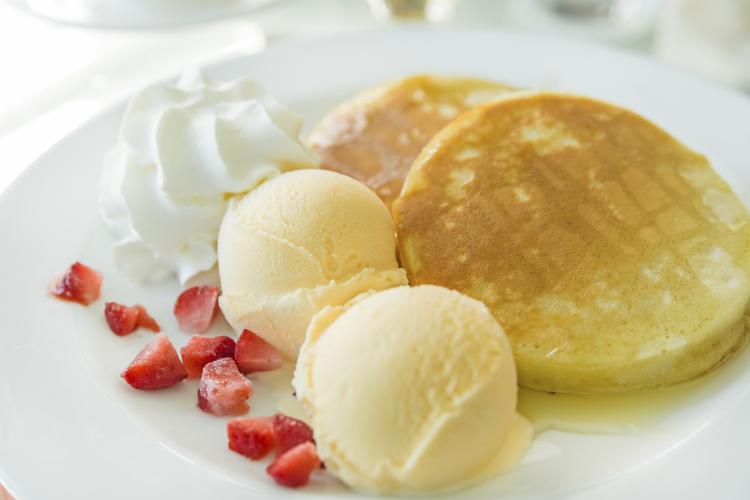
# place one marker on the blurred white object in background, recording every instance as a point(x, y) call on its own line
point(138, 14)
point(614, 21)
point(710, 37)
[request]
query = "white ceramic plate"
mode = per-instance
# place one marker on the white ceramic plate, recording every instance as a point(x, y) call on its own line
point(138, 14)
point(70, 428)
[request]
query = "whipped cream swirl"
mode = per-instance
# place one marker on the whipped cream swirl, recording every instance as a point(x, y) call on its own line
point(183, 151)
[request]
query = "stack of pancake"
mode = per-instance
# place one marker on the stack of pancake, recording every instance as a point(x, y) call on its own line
point(614, 257)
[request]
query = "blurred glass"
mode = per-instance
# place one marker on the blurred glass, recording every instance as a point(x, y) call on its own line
point(413, 10)
point(611, 11)
point(708, 37)
point(617, 21)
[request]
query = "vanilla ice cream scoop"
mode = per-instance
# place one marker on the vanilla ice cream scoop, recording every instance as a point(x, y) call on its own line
point(411, 390)
point(299, 242)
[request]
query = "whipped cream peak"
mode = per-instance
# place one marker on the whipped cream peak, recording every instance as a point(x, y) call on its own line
point(183, 150)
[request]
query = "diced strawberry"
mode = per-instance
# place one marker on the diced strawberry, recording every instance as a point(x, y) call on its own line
point(253, 354)
point(293, 468)
point(290, 432)
point(123, 320)
point(157, 366)
point(196, 308)
point(145, 320)
point(79, 284)
point(223, 390)
point(201, 350)
point(251, 437)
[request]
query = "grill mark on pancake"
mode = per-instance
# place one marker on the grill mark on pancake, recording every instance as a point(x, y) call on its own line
point(647, 192)
point(600, 224)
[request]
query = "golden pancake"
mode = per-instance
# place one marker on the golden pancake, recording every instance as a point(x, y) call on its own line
point(376, 136)
point(614, 257)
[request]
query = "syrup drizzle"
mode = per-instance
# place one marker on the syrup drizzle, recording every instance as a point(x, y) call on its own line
point(612, 413)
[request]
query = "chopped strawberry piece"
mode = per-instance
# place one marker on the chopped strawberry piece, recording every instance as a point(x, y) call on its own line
point(251, 437)
point(201, 350)
point(79, 284)
point(223, 390)
point(123, 320)
point(253, 354)
point(196, 308)
point(290, 432)
point(157, 366)
point(293, 468)
point(145, 320)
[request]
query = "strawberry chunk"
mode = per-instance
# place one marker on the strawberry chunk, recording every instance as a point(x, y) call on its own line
point(201, 350)
point(223, 390)
point(79, 284)
point(196, 308)
point(290, 432)
point(253, 354)
point(157, 366)
point(123, 320)
point(145, 320)
point(251, 437)
point(293, 468)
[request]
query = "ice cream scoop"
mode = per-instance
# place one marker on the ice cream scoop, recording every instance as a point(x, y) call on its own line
point(299, 242)
point(183, 149)
point(411, 390)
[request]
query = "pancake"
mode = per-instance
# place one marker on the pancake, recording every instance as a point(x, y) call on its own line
point(376, 136)
point(614, 257)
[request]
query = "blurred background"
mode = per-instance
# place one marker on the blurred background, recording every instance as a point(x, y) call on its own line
point(64, 60)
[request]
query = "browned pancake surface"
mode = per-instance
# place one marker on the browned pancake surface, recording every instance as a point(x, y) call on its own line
point(376, 136)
